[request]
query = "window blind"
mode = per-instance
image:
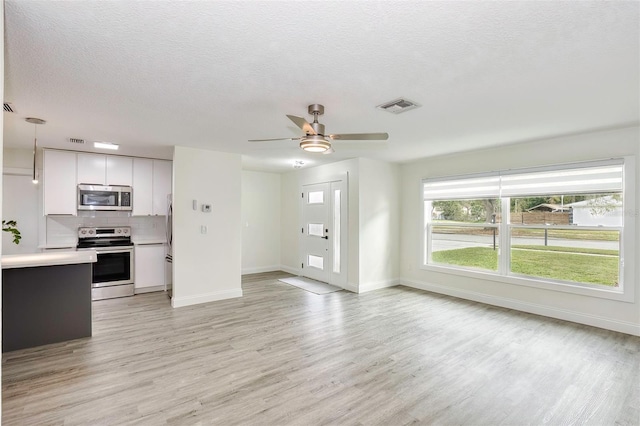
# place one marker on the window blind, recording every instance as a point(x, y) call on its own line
point(587, 178)
point(468, 188)
point(584, 180)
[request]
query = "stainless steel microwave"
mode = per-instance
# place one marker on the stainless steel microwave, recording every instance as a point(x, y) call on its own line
point(98, 197)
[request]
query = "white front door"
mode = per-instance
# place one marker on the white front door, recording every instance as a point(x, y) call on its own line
point(316, 205)
point(324, 232)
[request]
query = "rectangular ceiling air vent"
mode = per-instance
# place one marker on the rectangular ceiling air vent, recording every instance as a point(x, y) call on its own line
point(398, 105)
point(76, 140)
point(8, 107)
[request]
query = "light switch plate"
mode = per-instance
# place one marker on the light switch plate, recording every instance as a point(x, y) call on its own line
point(206, 208)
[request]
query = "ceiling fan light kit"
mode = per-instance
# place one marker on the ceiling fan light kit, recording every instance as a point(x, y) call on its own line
point(314, 143)
point(315, 139)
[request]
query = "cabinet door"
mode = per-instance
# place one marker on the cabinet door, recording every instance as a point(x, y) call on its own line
point(59, 184)
point(149, 267)
point(92, 169)
point(161, 185)
point(142, 186)
point(119, 170)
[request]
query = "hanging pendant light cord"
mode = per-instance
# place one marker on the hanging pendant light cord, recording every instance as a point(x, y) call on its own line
point(35, 150)
point(35, 122)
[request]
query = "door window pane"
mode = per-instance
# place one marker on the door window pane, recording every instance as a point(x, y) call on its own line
point(315, 197)
point(316, 229)
point(316, 261)
point(336, 231)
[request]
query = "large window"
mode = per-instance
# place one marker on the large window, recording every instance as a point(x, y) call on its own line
point(561, 225)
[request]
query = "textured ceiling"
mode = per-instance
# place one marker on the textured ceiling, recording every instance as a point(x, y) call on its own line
point(211, 74)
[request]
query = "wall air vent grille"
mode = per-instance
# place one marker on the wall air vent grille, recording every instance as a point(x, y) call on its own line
point(76, 140)
point(8, 107)
point(398, 105)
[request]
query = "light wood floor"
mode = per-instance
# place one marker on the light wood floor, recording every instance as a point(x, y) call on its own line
point(281, 355)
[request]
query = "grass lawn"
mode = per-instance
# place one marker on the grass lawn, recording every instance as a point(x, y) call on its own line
point(577, 267)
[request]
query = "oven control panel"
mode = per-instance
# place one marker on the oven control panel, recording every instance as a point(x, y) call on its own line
point(92, 232)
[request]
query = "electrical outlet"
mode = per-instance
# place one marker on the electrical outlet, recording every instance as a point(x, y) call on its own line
point(206, 208)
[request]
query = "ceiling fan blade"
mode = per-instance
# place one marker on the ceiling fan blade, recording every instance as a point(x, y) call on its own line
point(361, 136)
point(276, 139)
point(303, 124)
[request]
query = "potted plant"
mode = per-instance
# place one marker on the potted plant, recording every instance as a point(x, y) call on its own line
point(10, 226)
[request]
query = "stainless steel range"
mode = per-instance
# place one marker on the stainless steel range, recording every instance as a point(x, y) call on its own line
point(113, 272)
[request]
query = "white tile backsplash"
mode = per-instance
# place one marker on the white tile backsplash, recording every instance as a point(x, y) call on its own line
point(63, 230)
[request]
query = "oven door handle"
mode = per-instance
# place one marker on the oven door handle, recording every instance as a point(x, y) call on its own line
point(108, 251)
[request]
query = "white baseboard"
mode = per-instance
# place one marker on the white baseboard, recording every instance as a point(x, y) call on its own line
point(178, 302)
point(547, 311)
point(351, 287)
point(376, 285)
point(294, 271)
point(261, 269)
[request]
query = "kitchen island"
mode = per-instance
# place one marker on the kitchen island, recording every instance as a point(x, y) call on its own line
point(46, 298)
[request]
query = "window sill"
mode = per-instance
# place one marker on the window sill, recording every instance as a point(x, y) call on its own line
point(581, 289)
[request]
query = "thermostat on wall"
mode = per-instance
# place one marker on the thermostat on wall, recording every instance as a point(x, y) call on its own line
point(206, 208)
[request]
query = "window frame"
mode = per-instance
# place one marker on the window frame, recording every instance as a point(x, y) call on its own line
point(625, 291)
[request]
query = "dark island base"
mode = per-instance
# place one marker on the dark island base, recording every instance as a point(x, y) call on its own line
point(45, 304)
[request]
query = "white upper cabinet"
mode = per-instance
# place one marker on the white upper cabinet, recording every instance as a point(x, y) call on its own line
point(92, 169)
point(151, 185)
point(101, 169)
point(64, 170)
point(119, 170)
point(142, 187)
point(161, 185)
point(59, 183)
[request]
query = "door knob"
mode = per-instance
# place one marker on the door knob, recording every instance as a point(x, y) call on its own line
point(326, 237)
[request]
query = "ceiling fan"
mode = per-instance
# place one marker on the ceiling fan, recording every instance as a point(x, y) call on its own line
point(315, 139)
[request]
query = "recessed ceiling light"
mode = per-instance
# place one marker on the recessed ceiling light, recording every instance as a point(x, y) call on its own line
point(105, 145)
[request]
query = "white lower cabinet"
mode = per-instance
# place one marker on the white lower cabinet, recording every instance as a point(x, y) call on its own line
point(149, 264)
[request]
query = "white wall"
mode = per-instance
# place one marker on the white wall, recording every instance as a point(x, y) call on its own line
point(290, 222)
point(206, 267)
point(374, 214)
point(18, 158)
point(20, 203)
point(379, 204)
point(20, 200)
point(260, 222)
point(611, 314)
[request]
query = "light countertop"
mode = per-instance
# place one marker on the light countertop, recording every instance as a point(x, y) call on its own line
point(50, 258)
